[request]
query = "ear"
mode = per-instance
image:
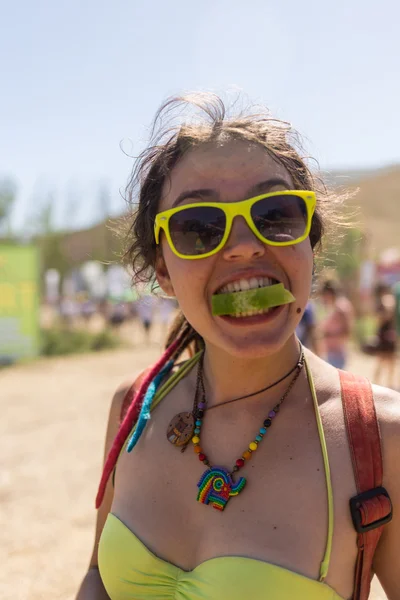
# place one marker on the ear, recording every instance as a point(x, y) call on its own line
point(163, 277)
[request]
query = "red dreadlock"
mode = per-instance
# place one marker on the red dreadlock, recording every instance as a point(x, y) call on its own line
point(132, 415)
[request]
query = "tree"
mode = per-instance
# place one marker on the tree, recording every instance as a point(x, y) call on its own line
point(8, 190)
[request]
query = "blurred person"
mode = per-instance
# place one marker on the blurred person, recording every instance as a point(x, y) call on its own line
point(306, 330)
point(117, 314)
point(386, 338)
point(226, 205)
point(336, 326)
point(68, 310)
point(88, 308)
point(145, 307)
point(166, 311)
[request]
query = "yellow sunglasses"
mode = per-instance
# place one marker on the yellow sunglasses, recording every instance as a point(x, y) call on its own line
point(201, 229)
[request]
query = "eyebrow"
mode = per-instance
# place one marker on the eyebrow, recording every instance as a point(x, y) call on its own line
point(259, 188)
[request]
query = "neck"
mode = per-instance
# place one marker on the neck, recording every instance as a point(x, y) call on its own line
point(227, 377)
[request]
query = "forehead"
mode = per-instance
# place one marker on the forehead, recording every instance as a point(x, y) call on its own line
point(230, 169)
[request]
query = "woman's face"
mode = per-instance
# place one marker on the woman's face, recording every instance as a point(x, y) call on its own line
point(231, 172)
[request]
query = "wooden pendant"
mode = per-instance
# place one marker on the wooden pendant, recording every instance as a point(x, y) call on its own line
point(181, 428)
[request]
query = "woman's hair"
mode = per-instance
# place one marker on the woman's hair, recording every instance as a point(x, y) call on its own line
point(201, 119)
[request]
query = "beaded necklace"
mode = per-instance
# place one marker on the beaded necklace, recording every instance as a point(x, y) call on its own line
point(216, 485)
point(182, 426)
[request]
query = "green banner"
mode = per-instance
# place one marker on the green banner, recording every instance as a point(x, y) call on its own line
point(19, 302)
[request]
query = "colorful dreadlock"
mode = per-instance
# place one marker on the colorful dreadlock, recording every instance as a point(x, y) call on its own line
point(133, 413)
point(144, 415)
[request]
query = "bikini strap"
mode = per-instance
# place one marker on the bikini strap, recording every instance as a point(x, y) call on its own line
point(371, 509)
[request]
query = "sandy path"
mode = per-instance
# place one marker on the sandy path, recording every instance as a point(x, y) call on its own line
point(53, 417)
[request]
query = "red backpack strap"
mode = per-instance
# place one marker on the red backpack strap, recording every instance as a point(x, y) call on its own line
point(371, 508)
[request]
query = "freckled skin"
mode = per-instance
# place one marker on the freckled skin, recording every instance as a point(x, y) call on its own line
point(232, 169)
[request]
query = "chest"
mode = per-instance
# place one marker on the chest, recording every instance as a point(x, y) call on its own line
point(281, 516)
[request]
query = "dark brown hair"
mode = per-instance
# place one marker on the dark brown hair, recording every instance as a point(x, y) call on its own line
point(209, 122)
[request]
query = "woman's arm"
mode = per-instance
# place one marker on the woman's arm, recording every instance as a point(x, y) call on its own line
point(92, 587)
point(387, 556)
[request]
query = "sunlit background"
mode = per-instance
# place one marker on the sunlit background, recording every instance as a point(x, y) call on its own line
point(80, 84)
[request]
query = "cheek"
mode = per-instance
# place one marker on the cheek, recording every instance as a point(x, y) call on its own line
point(300, 272)
point(188, 277)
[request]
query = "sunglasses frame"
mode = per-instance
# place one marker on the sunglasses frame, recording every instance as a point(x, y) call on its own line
point(231, 210)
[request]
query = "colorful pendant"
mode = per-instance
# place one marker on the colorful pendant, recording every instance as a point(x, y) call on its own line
point(216, 486)
point(180, 429)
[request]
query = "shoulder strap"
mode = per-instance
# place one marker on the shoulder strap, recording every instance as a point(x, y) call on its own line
point(371, 508)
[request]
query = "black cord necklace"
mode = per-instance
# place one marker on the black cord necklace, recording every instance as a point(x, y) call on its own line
point(181, 427)
point(268, 387)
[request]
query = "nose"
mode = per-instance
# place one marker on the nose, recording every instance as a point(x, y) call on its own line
point(242, 243)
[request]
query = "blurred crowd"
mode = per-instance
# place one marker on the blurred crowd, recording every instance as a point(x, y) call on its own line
point(328, 326)
point(147, 309)
point(328, 329)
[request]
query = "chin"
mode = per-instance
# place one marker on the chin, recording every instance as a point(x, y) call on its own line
point(253, 346)
point(256, 336)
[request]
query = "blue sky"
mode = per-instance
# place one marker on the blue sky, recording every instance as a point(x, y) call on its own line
point(80, 76)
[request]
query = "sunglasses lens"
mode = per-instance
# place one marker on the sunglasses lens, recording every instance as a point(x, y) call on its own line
point(196, 231)
point(280, 218)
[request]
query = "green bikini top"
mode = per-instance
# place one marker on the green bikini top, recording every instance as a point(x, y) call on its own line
point(130, 571)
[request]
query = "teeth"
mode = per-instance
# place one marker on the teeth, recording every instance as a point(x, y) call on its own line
point(253, 283)
point(251, 313)
point(246, 284)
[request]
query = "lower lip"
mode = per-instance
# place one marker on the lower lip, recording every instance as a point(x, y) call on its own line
point(255, 319)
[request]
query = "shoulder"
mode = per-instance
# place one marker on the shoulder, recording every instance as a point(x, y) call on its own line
point(120, 397)
point(125, 393)
point(387, 404)
point(387, 556)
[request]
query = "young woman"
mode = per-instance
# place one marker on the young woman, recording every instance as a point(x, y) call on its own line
point(227, 204)
point(337, 325)
point(386, 336)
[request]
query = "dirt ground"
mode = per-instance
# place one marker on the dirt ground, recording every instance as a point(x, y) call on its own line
point(52, 427)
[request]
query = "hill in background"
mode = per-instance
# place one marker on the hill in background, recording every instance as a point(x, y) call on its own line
point(377, 202)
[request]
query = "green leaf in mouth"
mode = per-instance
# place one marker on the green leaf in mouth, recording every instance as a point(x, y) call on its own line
point(233, 303)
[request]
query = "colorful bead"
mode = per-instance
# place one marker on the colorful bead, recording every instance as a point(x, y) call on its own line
point(253, 446)
point(200, 413)
point(240, 462)
point(246, 455)
point(201, 405)
point(267, 423)
point(198, 450)
point(202, 457)
point(197, 430)
point(263, 431)
point(272, 414)
point(258, 438)
point(199, 422)
point(195, 439)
